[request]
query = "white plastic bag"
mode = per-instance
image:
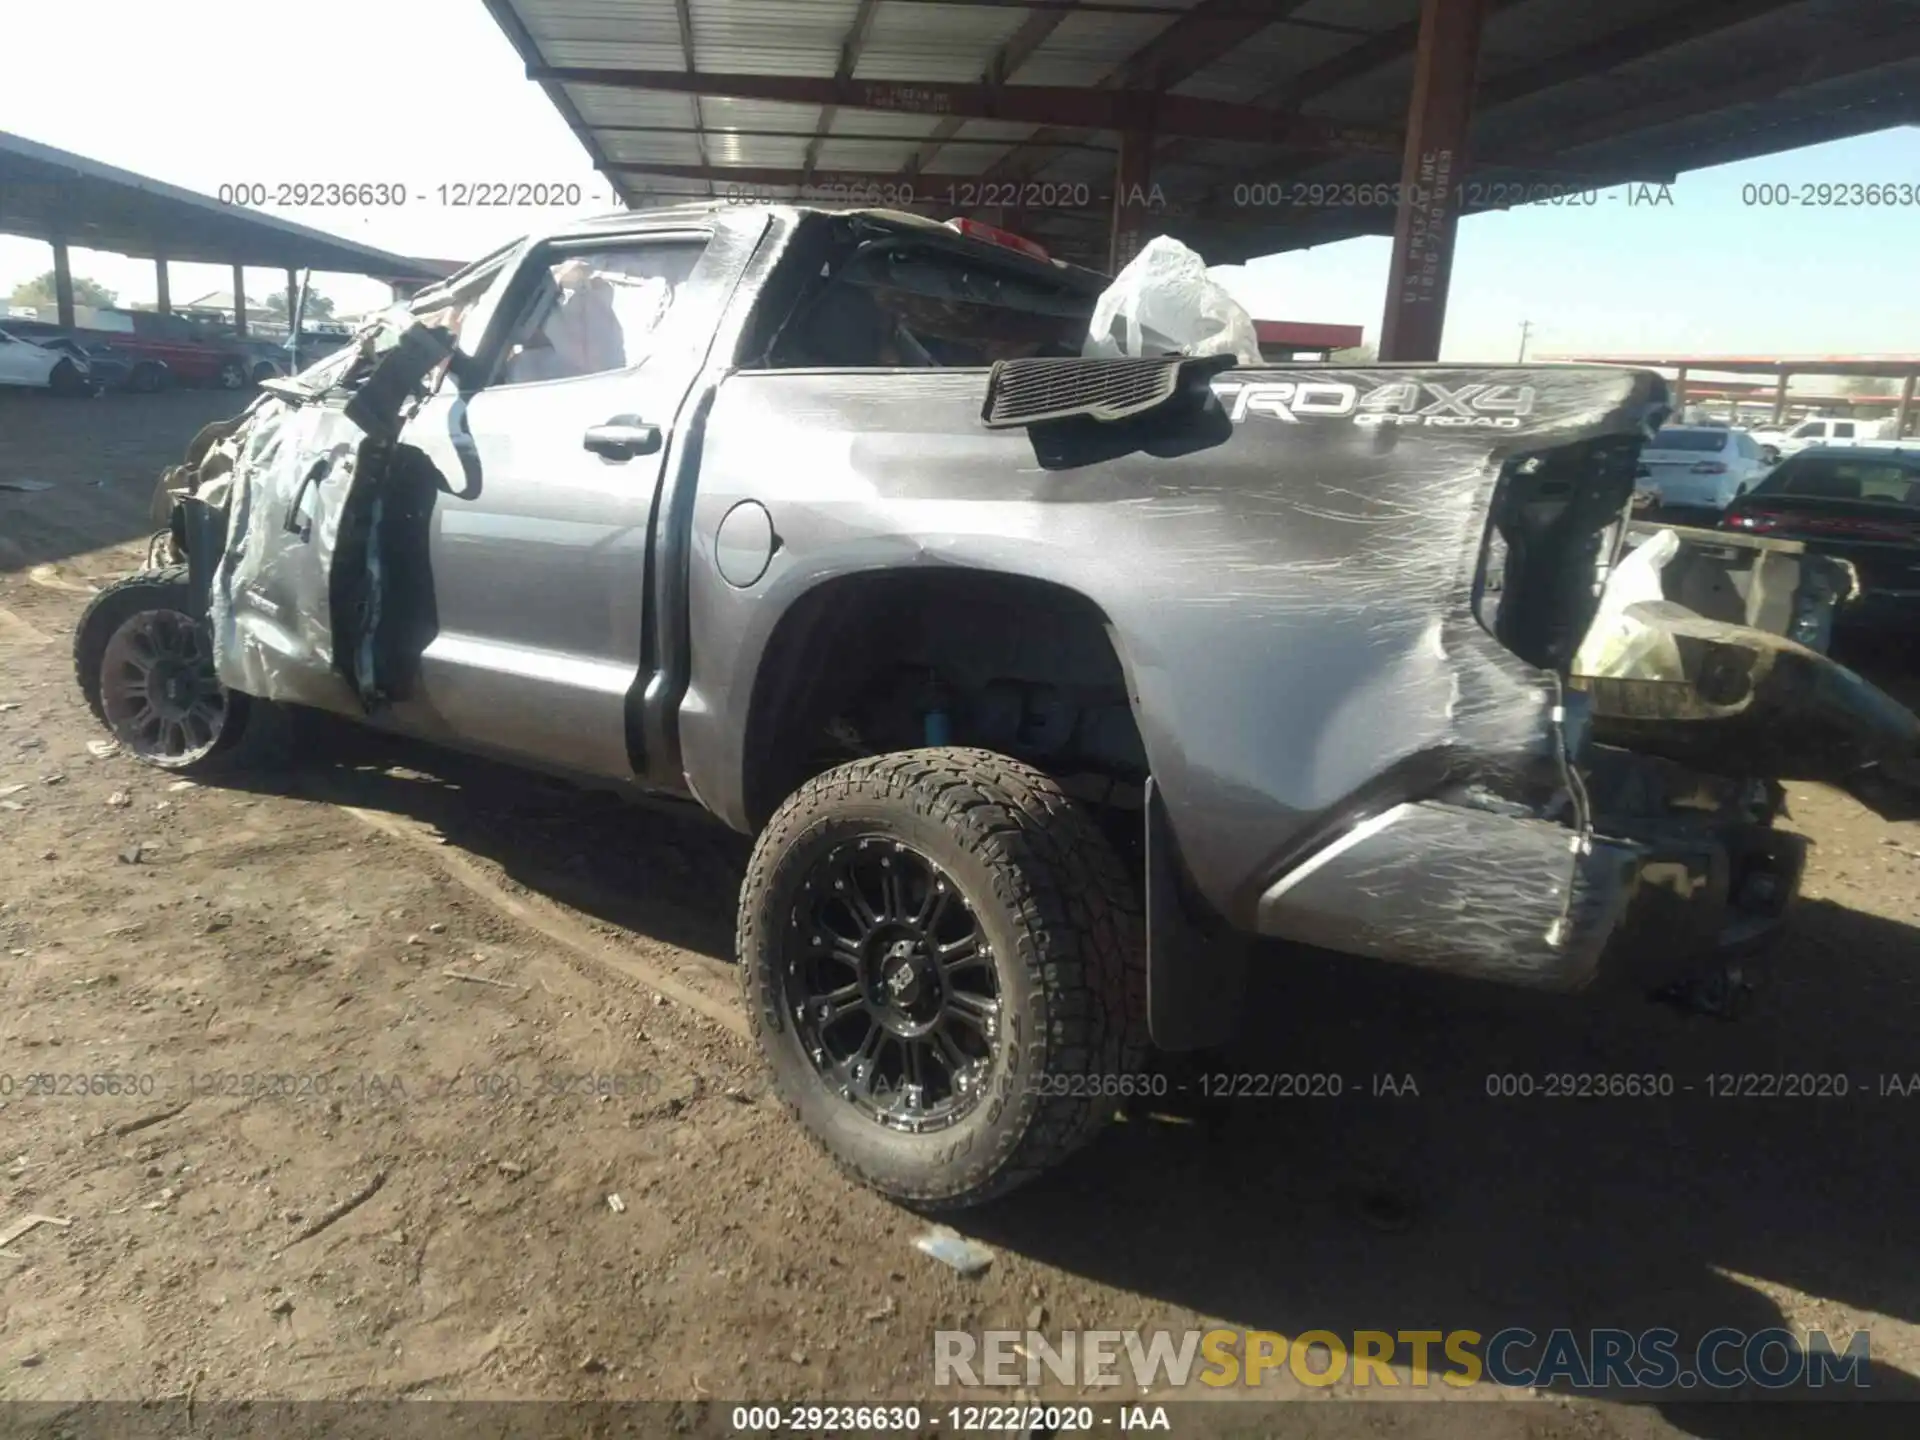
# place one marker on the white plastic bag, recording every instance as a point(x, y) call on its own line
point(1165, 303)
point(1617, 644)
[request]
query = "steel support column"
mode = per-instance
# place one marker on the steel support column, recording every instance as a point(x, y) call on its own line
point(1680, 393)
point(239, 299)
point(1431, 168)
point(1780, 398)
point(1132, 181)
point(62, 284)
point(162, 289)
point(1906, 406)
point(293, 295)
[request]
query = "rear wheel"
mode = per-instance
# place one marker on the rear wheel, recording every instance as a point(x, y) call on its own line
point(232, 375)
point(944, 966)
point(147, 378)
point(142, 662)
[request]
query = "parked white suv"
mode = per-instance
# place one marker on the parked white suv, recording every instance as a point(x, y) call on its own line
point(1700, 467)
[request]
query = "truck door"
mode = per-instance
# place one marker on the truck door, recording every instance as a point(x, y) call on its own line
point(550, 453)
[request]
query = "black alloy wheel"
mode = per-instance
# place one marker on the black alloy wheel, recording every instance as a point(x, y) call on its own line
point(891, 985)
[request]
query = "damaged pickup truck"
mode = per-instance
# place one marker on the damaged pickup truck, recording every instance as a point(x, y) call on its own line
point(1049, 684)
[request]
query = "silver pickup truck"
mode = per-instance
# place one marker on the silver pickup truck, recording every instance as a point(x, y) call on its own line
point(1048, 684)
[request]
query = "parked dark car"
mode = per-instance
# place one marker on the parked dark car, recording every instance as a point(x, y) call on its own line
point(1860, 504)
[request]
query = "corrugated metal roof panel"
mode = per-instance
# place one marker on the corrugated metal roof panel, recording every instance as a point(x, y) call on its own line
point(843, 154)
point(771, 37)
point(730, 149)
point(854, 123)
point(954, 41)
point(1272, 57)
point(1525, 34)
point(1372, 16)
point(667, 149)
point(1088, 47)
point(604, 105)
point(724, 110)
point(608, 54)
point(935, 42)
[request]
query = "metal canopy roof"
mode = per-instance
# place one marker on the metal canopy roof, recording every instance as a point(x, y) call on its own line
point(49, 194)
point(958, 98)
point(1882, 367)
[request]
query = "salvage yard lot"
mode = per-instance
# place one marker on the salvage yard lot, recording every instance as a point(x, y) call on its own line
point(397, 1025)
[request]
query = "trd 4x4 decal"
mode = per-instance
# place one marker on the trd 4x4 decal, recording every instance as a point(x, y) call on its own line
point(1401, 402)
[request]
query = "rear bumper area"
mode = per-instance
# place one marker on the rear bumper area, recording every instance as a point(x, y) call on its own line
point(1524, 902)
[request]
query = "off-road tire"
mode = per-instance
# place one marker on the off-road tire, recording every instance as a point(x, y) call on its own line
point(257, 734)
point(1069, 952)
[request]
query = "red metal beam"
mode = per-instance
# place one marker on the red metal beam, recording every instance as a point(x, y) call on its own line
point(886, 184)
point(1308, 335)
point(1434, 164)
point(863, 137)
point(1212, 29)
point(1087, 109)
point(1131, 215)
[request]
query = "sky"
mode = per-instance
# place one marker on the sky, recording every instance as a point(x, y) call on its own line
point(1705, 272)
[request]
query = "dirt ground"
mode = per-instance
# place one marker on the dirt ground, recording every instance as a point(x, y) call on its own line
point(386, 1033)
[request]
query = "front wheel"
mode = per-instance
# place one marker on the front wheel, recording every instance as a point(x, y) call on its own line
point(944, 966)
point(142, 662)
point(232, 376)
point(66, 379)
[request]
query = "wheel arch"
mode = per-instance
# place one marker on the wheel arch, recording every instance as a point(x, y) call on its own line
point(882, 617)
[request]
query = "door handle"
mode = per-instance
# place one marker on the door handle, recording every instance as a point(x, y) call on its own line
point(622, 438)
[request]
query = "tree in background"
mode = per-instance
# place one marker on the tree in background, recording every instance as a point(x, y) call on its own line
point(319, 307)
point(40, 291)
point(1868, 385)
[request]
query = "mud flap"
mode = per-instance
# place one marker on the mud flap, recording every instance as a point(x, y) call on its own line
point(1196, 975)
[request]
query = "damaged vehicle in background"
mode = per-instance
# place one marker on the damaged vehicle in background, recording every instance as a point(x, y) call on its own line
point(1050, 671)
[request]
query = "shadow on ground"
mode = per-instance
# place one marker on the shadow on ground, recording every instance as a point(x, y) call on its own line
point(89, 467)
point(1413, 1197)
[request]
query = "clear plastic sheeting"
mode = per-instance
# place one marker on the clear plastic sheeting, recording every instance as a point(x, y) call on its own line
point(1165, 303)
point(1620, 642)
